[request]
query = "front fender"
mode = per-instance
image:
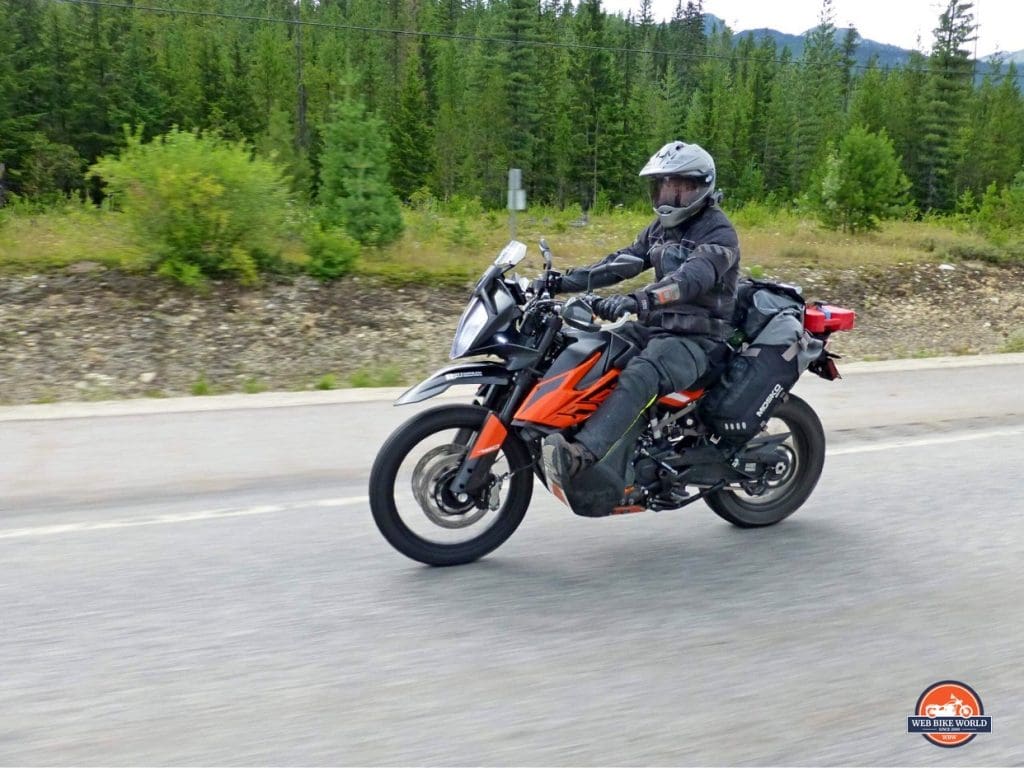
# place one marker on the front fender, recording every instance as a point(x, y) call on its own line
point(464, 373)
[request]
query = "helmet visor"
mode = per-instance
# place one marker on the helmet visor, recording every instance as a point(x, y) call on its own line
point(675, 191)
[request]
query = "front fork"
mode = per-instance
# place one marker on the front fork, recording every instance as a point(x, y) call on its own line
point(476, 469)
point(483, 449)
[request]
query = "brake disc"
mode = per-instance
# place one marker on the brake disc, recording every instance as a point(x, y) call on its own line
point(430, 486)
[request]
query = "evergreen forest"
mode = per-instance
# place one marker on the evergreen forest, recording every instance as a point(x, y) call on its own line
point(437, 99)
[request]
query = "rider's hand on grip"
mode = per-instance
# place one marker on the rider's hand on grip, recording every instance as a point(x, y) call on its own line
point(550, 285)
point(614, 307)
point(554, 284)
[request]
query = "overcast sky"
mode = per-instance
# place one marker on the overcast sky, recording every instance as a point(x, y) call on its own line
point(897, 22)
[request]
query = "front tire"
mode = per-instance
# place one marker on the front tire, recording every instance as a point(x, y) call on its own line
point(808, 446)
point(428, 478)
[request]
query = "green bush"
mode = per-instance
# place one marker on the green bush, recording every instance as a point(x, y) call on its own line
point(327, 381)
point(332, 253)
point(459, 234)
point(204, 207)
point(977, 252)
point(1001, 213)
point(50, 172)
point(463, 206)
point(753, 214)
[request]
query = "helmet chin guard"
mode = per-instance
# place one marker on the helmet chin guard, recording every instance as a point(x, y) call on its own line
point(678, 160)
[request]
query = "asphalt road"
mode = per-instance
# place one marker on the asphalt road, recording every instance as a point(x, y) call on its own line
point(267, 622)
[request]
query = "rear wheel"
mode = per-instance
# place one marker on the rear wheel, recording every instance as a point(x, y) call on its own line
point(410, 497)
point(784, 494)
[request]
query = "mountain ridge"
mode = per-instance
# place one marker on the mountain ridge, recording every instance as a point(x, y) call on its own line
point(885, 54)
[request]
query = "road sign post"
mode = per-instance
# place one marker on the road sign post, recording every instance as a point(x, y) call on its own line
point(516, 197)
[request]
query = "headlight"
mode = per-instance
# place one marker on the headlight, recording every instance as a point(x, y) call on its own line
point(470, 325)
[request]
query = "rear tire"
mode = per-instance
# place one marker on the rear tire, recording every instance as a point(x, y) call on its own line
point(465, 420)
point(808, 443)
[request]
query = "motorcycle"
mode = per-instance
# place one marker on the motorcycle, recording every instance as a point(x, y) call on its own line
point(953, 708)
point(454, 482)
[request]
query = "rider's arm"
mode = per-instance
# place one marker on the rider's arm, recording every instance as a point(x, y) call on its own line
point(717, 253)
point(580, 279)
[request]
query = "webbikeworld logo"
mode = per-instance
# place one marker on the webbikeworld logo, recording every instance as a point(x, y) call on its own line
point(949, 714)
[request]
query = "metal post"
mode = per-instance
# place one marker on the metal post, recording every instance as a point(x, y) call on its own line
point(516, 197)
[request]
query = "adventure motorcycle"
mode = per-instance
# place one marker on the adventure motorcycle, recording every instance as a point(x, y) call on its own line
point(454, 482)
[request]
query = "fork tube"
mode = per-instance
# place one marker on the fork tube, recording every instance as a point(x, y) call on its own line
point(475, 471)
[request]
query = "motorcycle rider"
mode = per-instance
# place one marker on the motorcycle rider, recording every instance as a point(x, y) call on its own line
point(683, 317)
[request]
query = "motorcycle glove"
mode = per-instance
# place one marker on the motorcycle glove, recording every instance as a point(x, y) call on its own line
point(614, 307)
point(551, 285)
point(554, 284)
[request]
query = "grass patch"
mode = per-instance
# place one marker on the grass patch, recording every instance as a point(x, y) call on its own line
point(453, 247)
point(1014, 342)
point(805, 243)
point(387, 376)
point(201, 387)
point(805, 254)
point(450, 245)
point(39, 242)
point(253, 386)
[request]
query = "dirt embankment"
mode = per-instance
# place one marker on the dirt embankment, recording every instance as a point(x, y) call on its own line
point(89, 333)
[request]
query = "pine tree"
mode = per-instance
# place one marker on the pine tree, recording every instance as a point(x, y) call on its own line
point(450, 136)
point(648, 129)
point(486, 120)
point(907, 98)
point(24, 84)
point(549, 179)
point(848, 50)
point(990, 144)
point(354, 193)
point(869, 103)
point(237, 103)
point(950, 72)
point(521, 63)
point(861, 182)
point(277, 143)
point(411, 157)
point(819, 119)
point(594, 81)
point(776, 158)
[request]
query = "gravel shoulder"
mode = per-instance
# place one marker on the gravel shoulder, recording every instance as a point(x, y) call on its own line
point(94, 334)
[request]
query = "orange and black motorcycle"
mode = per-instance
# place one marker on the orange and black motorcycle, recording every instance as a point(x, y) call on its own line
point(453, 482)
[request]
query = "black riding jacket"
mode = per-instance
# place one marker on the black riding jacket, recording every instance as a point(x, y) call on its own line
point(696, 266)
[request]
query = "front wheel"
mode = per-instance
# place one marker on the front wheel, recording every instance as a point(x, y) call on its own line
point(410, 497)
point(805, 447)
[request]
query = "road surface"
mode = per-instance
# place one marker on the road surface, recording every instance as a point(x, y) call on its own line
point(240, 617)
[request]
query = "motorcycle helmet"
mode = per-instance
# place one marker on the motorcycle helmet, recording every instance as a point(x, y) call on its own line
point(682, 178)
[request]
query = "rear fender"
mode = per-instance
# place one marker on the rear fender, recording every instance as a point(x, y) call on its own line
point(464, 373)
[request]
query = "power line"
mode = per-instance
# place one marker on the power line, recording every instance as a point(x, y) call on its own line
point(423, 34)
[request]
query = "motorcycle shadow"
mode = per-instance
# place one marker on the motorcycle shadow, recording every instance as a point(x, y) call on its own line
point(799, 563)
